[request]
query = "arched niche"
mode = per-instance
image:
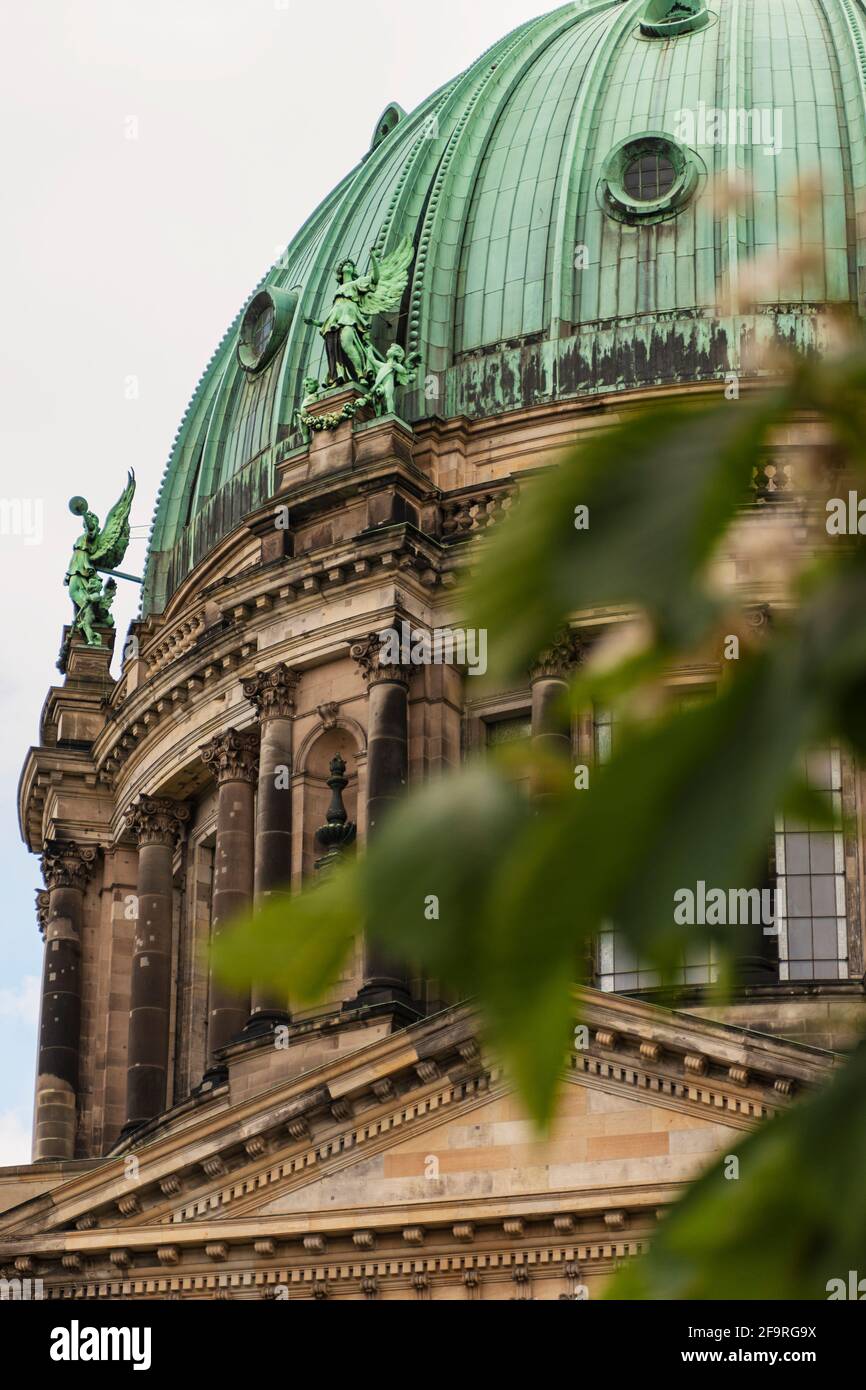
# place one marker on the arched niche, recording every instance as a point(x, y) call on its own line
point(314, 769)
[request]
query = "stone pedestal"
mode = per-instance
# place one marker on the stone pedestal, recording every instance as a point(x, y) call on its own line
point(336, 399)
point(80, 661)
point(234, 760)
point(331, 448)
point(66, 868)
point(158, 824)
point(273, 695)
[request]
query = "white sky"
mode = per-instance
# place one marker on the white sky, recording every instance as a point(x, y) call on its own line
point(127, 258)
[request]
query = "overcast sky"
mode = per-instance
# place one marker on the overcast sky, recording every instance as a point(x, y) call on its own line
point(157, 155)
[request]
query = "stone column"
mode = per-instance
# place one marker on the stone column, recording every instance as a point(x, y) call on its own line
point(550, 677)
point(66, 868)
point(551, 725)
point(233, 758)
point(273, 695)
point(387, 780)
point(158, 824)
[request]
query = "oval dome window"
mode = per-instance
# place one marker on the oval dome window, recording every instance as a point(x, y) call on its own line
point(647, 178)
point(265, 323)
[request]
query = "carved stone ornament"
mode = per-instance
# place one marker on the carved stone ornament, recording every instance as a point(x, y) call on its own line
point(66, 864)
point(273, 692)
point(329, 714)
point(232, 756)
point(367, 652)
point(338, 832)
point(561, 658)
point(158, 820)
point(760, 618)
point(42, 902)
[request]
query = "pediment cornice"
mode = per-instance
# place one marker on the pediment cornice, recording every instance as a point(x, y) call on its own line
point(226, 1163)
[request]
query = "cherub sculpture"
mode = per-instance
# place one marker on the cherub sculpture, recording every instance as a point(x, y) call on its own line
point(300, 418)
point(352, 358)
point(97, 549)
point(396, 370)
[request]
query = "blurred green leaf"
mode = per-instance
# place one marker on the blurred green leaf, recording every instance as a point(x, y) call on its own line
point(660, 489)
point(299, 945)
point(793, 1220)
point(499, 896)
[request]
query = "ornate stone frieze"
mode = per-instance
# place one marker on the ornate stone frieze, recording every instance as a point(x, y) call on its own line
point(560, 659)
point(66, 864)
point(233, 756)
point(189, 1273)
point(158, 820)
point(367, 652)
point(273, 692)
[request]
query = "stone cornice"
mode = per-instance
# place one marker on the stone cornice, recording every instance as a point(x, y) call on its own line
point(154, 704)
point(158, 820)
point(44, 768)
point(67, 865)
point(241, 589)
point(395, 548)
point(233, 756)
point(308, 497)
point(273, 692)
point(575, 1215)
point(420, 1258)
point(633, 1023)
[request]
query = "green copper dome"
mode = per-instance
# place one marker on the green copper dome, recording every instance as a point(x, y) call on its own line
point(568, 238)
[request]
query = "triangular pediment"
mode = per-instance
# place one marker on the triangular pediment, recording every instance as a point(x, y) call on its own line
point(422, 1130)
point(488, 1155)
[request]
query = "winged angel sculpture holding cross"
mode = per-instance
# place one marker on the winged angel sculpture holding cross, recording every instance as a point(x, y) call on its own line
point(98, 550)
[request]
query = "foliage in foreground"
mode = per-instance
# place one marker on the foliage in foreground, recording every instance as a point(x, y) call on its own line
point(689, 795)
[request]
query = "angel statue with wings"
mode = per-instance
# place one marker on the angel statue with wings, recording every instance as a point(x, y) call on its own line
point(97, 550)
point(346, 331)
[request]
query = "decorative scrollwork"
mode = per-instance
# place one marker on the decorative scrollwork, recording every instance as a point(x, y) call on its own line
point(158, 820)
point(233, 756)
point(66, 864)
point(273, 692)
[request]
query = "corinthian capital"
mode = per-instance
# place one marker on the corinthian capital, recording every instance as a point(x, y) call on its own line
point(368, 653)
point(158, 820)
point(273, 692)
point(558, 661)
point(233, 756)
point(66, 864)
